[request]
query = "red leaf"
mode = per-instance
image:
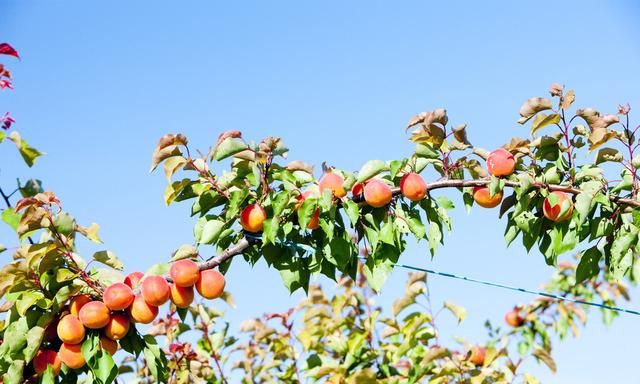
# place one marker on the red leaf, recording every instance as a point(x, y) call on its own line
point(6, 49)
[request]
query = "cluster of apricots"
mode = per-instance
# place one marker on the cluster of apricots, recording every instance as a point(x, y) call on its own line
point(120, 306)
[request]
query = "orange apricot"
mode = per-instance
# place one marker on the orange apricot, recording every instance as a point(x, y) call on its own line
point(141, 312)
point(43, 359)
point(71, 355)
point(133, 279)
point(413, 186)
point(108, 345)
point(70, 329)
point(358, 189)
point(501, 162)
point(377, 194)
point(94, 315)
point(211, 284)
point(118, 296)
point(477, 355)
point(77, 302)
point(252, 218)
point(184, 273)
point(558, 206)
point(333, 182)
point(182, 297)
point(484, 199)
point(118, 327)
point(514, 318)
point(155, 290)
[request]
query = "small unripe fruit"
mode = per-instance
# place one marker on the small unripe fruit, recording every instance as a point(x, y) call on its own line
point(514, 318)
point(94, 315)
point(118, 296)
point(413, 187)
point(483, 197)
point(133, 279)
point(141, 312)
point(118, 327)
point(77, 302)
point(70, 330)
point(501, 163)
point(333, 182)
point(184, 273)
point(182, 297)
point(558, 206)
point(252, 218)
point(377, 194)
point(477, 356)
point(155, 290)
point(108, 345)
point(211, 284)
point(43, 359)
point(71, 355)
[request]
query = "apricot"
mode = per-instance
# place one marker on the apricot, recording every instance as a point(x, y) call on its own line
point(70, 329)
point(483, 198)
point(118, 296)
point(377, 194)
point(141, 312)
point(413, 186)
point(71, 355)
point(514, 318)
point(477, 356)
point(211, 284)
point(184, 273)
point(333, 182)
point(108, 345)
point(558, 206)
point(77, 302)
point(94, 315)
point(43, 359)
point(357, 189)
point(155, 290)
point(133, 279)
point(314, 223)
point(252, 218)
point(501, 163)
point(182, 297)
point(118, 327)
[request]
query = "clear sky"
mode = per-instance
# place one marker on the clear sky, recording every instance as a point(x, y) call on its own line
point(100, 82)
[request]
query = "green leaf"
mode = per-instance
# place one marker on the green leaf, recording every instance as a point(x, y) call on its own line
point(621, 254)
point(158, 269)
point(496, 186)
point(584, 204)
point(28, 153)
point(109, 258)
point(211, 231)
point(306, 211)
point(185, 251)
point(608, 154)
point(588, 267)
point(370, 169)
point(11, 217)
point(352, 210)
point(155, 358)
point(64, 223)
point(31, 188)
point(229, 147)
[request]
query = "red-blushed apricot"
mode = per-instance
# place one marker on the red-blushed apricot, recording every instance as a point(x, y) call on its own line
point(118, 296)
point(558, 206)
point(314, 223)
point(514, 318)
point(413, 186)
point(43, 359)
point(155, 290)
point(142, 312)
point(70, 329)
point(182, 297)
point(118, 326)
point(71, 355)
point(377, 194)
point(51, 332)
point(133, 279)
point(477, 356)
point(252, 218)
point(108, 345)
point(211, 284)
point(484, 199)
point(77, 302)
point(94, 315)
point(333, 182)
point(358, 189)
point(184, 273)
point(501, 162)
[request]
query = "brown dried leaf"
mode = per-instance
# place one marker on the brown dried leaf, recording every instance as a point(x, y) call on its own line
point(567, 100)
point(556, 89)
point(299, 165)
point(33, 218)
point(533, 106)
point(161, 154)
point(546, 358)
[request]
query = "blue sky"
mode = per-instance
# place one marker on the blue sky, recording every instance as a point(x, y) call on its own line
point(99, 83)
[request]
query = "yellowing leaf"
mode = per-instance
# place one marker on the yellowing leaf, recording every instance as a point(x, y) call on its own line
point(459, 312)
point(90, 232)
point(567, 99)
point(542, 120)
point(172, 164)
point(533, 106)
point(608, 154)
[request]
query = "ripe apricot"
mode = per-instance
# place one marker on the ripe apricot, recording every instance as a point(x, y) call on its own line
point(182, 297)
point(94, 315)
point(184, 273)
point(377, 194)
point(252, 218)
point(133, 279)
point(413, 186)
point(483, 198)
point(71, 355)
point(77, 302)
point(501, 162)
point(558, 206)
point(211, 284)
point(118, 296)
point(118, 327)
point(43, 359)
point(477, 356)
point(108, 345)
point(514, 318)
point(358, 189)
point(141, 312)
point(155, 290)
point(70, 329)
point(333, 182)
point(314, 223)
